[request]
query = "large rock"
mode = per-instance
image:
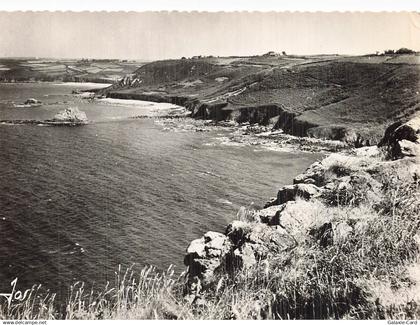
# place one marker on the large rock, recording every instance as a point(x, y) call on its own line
point(206, 256)
point(291, 192)
point(33, 102)
point(269, 215)
point(398, 135)
point(71, 115)
point(409, 149)
point(313, 175)
point(256, 242)
point(297, 217)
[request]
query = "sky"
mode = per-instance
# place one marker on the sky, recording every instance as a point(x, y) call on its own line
point(164, 35)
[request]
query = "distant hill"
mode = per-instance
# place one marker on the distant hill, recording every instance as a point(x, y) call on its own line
point(25, 69)
point(350, 98)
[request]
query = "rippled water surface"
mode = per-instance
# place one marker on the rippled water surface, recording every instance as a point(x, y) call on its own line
point(75, 202)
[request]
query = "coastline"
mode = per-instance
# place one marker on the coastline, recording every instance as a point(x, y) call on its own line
point(209, 164)
point(171, 114)
point(341, 98)
point(245, 132)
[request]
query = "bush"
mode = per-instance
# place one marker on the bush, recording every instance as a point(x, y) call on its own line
point(404, 50)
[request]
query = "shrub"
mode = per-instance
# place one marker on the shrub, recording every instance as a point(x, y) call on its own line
point(404, 50)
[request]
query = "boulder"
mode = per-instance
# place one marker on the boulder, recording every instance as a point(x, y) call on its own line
point(398, 135)
point(290, 192)
point(297, 217)
point(206, 256)
point(256, 242)
point(32, 101)
point(269, 215)
point(409, 149)
point(71, 115)
point(313, 175)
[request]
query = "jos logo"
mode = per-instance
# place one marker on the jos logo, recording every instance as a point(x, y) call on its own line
point(14, 295)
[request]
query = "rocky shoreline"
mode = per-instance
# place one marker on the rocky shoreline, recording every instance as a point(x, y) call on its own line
point(246, 134)
point(261, 115)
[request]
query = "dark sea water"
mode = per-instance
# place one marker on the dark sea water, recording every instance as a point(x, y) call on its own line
point(76, 202)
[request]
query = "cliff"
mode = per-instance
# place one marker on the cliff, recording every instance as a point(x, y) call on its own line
point(333, 97)
point(340, 242)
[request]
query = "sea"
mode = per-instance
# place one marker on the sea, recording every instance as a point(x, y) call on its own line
point(81, 203)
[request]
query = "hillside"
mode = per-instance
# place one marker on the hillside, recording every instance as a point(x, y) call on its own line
point(335, 97)
point(341, 242)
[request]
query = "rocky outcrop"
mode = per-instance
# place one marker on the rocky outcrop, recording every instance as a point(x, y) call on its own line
point(402, 139)
point(256, 243)
point(269, 215)
point(33, 102)
point(71, 115)
point(289, 220)
point(313, 175)
point(291, 192)
point(206, 257)
point(68, 117)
